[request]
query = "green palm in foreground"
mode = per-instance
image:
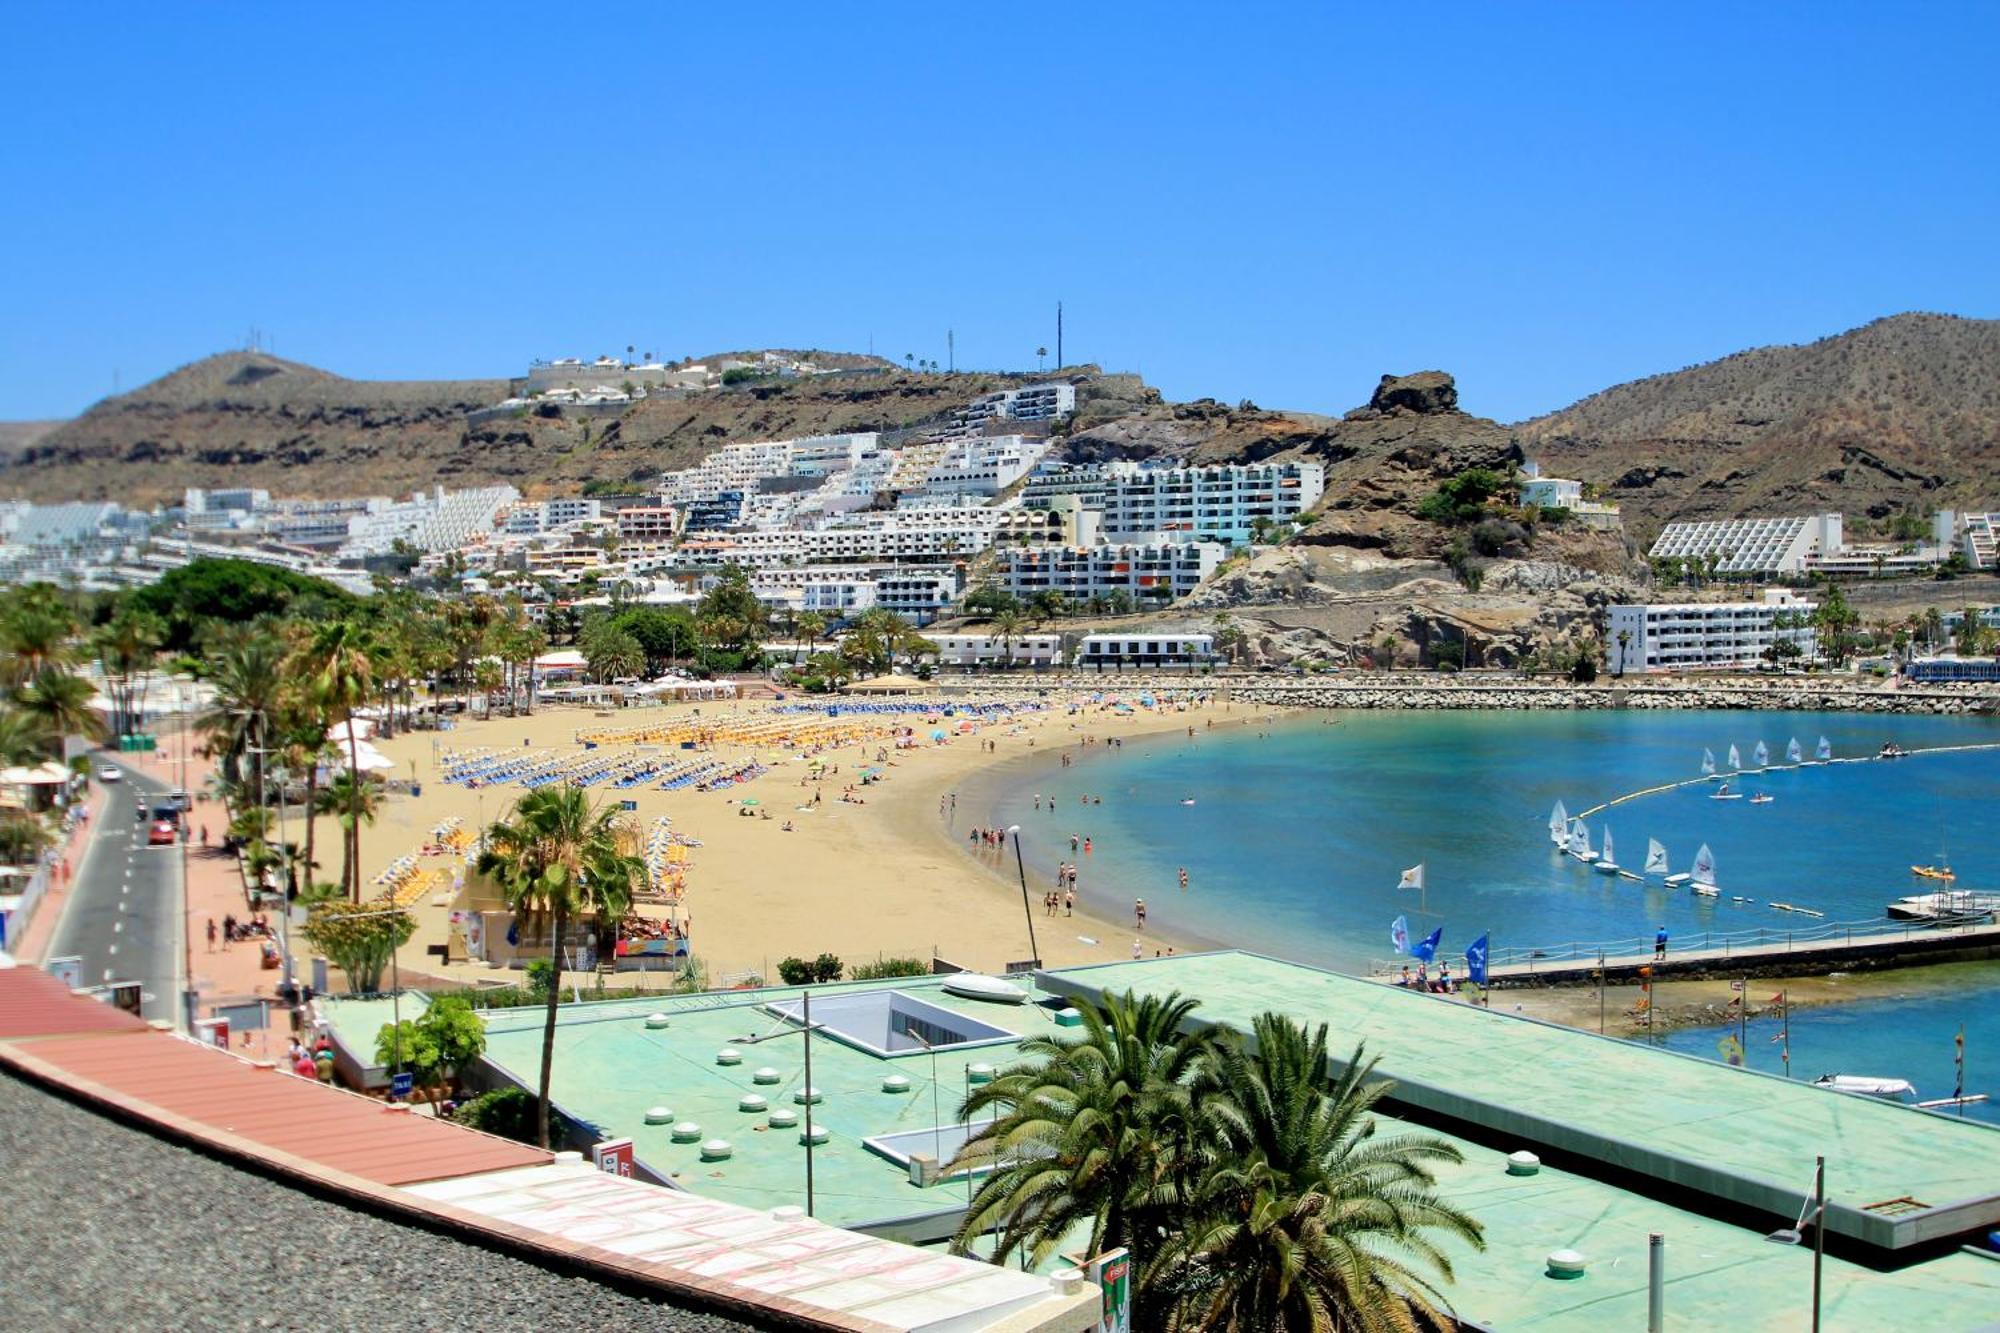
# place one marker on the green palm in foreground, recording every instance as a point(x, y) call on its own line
point(1302, 1219)
point(557, 861)
point(1089, 1131)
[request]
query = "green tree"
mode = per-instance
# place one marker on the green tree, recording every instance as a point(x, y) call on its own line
point(1972, 638)
point(1462, 499)
point(358, 938)
point(436, 1047)
point(559, 860)
point(1301, 1217)
point(127, 648)
point(61, 703)
point(1835, 621)
point(245, 676)
point(989, 600)
point(611, 652)
point(1007, 626)
point(191, 599)
point(1088, 1134)
point(340, 799)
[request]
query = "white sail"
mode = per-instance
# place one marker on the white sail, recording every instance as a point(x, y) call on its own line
point(1704, 866)
point(1825, 750)
point(1579, 841)
point(1735, 759)
point(1607, 843)
point(1558, 823)
point(1794, 752)
point(1708, 763)
point(1761, 756)
point(1656, 857)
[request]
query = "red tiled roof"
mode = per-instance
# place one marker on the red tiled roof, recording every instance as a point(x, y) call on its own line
point(267, 1109)
point(35, 1004)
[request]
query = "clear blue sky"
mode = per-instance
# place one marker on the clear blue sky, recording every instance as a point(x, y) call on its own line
point(1276, 204)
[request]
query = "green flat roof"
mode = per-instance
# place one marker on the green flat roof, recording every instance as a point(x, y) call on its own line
point(610, 1068)
point(1736, 1135)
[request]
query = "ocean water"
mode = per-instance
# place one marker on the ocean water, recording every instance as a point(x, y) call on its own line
point(1908, 1037)
point(1299, 831)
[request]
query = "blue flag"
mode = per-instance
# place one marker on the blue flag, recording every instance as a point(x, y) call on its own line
point(1426, 949)
point(1475, 960)
point(1399, 935)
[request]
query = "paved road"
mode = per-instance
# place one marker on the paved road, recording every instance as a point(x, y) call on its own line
point(124, 913)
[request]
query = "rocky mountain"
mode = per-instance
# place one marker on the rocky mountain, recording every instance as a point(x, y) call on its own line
point(250, 419)
point(1901, 414)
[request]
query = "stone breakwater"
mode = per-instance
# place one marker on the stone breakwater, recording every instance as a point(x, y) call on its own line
point(1472, 693)
point(1657, 698)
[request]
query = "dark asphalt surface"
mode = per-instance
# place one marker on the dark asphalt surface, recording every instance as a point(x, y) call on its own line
point(124, 911)
point(109, 1228)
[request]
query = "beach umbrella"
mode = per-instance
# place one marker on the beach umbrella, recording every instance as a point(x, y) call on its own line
point(937, 733)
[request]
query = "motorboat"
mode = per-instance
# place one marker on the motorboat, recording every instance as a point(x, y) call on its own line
point(1862, 1085)
point(979, 986)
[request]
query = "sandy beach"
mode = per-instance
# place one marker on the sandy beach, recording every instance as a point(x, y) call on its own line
point(891, 874)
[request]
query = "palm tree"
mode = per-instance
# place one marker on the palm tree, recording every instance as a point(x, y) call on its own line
point(340, 799)
point(1007, 624)
point(1089, 1131)
point(558, 860)
point(337, 673)
point(1041, 355)
point(1301, 1218)
point(35, 632)
point(21, 736)
point(60, 703)
point(246, 676)
point(813, 623)
point(126, 649)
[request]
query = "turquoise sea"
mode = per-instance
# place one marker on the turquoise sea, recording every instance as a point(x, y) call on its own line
point(1908, 1037)
point(1299, 830)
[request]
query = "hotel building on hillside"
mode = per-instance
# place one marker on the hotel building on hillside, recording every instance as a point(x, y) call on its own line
point(1753, 545)
point(1159, 571)
point(1706, 636)
point(1217, 504)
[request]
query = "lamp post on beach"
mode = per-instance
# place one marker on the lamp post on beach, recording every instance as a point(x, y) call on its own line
point(1021, 869)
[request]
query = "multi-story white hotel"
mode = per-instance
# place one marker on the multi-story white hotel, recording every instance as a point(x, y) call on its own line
point(537, 516)
point(647, 523)
point(1220, 504)
point(905, 536)
point(843, 591)
point(1031, 402)
point(1159, 571)
point(1752, 545)
point(1706, 636)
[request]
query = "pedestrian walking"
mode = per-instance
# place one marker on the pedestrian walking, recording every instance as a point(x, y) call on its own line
point(1660, 945)
point(211, 934)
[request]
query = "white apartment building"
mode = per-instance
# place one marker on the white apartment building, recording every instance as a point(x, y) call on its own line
point(1706, 636)
point(532, 517)
point(1219, 504)
point(1031, 402)
point(1156, 571)
point(440, 521)
point(1980, 539)
point(1160, 650)
point(977, 650)
point(1752, 545)
point(982, 467)
point(1551, 492)
point(919, 595)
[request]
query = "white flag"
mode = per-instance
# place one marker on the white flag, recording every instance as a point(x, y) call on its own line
point(1413, 878)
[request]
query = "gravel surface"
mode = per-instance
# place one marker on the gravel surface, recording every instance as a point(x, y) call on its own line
point(106, 1227)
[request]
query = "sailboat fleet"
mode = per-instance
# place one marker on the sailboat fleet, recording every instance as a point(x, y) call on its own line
point(1570, 835)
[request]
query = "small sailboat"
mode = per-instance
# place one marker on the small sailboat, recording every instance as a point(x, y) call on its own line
point(1723, 793)
point(1735, 759)
point(1708, 763)
point(1605, 865)
point(1761, 798)
point(1823, 752)
point(1656, 857)
point(1703, 881)
point(1701, 878)
point(1794, 752)
point(1579, 842)
point(1761, 756)
point(1559, 825)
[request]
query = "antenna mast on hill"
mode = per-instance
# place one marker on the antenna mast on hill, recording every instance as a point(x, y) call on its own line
point(950, 350)
point(1059, 355)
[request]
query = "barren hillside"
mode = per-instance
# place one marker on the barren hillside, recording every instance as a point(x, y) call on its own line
point(1903, 413)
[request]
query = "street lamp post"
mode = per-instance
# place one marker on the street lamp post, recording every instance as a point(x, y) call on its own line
point(1021, 869)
